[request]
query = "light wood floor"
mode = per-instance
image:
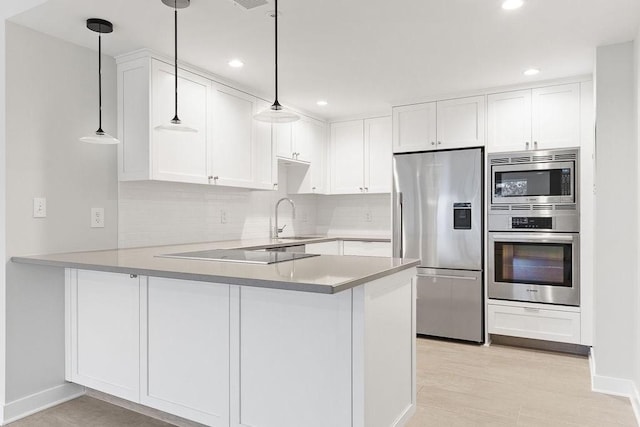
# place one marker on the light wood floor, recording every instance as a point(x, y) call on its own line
point(470, 385)
point(458, 385)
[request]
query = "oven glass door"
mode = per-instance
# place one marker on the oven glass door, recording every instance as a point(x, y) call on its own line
point(535, 267)
point(539, 182)
point(533, 263)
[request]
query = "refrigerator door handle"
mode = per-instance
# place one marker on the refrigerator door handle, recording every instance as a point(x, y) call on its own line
point(398, 227)
point(442, 276)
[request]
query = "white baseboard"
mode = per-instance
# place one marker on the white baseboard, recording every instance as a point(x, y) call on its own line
point(28, 405)
point(615, 386)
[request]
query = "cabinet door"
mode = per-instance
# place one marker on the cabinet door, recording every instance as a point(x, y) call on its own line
point(264, 160)
point(461, 122)
point(283, 139)
point(232, 145)
point(378, 155)
point(364, 248)
point(347, 154)
point(509, 123)
point(179, 156)
point(414, 127)
point(556, 116)
point(104, 313)
point(185, 363)
point(309, 140)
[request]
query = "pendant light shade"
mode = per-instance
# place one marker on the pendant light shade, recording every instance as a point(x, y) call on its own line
point(99, 26)
point(276, 113)
point(176, 124)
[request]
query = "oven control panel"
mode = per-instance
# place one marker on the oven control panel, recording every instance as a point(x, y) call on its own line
point(532, 222)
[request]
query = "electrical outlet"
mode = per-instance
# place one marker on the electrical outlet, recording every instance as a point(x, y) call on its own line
point(39, 207)
point(97, 217)
point(223, 216)
point(367, 216)
point(305, 217)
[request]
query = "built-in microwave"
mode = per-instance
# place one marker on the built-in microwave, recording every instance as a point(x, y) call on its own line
point(534, 184)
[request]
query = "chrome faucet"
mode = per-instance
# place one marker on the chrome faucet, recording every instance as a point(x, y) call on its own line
point(276, 230)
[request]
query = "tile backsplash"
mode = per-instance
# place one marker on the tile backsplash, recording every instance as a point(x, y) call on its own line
point(158, 213)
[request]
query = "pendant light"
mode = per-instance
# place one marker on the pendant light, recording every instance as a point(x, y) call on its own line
point(175, 124)
point(276, 113)
point(99, 26)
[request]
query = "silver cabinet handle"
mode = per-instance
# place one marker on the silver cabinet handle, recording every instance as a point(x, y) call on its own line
point(439, 142)
point(361, 189)
point(433, 143)
point(366, 189)
point(535, 144)
point(527, 144)
point(444, 276)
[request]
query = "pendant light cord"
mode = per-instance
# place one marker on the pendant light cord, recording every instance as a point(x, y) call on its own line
point(100, 131)
point(276, 104)
point(175, 52)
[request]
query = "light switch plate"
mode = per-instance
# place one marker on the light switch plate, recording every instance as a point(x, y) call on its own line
point(97, 217)
point(39, 207)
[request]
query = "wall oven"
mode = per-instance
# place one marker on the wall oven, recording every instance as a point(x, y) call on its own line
point(534, 225)
point(535, 267)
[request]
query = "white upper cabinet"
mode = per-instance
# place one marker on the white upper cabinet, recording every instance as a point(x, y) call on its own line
point(509, 116)
point(179, 156)
point(453, 123)
point(309, 136)
point(283, 140)
point(534, 119)
point(460, 122)
point(414, 127)
point(237, 140)
point(347, 157)
point(378, 155)
point(361, 156)
point(555, 116)
point(229, 147)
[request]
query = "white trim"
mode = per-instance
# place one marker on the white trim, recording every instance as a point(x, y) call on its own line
point(615, 386)
point(39, 401)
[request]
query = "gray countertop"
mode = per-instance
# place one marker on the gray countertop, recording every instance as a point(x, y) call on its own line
point(326, 274)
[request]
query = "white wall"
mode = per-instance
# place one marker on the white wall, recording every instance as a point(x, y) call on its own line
point(51, 102)
point(616, 255)
point(637, 308)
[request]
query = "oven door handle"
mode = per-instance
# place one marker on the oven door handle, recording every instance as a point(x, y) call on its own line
point(532, 238)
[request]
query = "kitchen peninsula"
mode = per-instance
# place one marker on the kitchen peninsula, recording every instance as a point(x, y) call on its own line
point(319, 341)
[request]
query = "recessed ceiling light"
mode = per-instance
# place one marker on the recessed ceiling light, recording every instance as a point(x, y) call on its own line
point(512, 4)
point(322, 103)
point(236, 63)
point(531, 72)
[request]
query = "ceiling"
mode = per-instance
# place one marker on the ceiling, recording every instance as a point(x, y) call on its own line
point(362, 56)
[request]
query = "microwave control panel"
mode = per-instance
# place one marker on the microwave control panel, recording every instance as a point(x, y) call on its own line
point(532, 222)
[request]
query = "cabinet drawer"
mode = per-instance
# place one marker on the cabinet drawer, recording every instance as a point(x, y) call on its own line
point(534, 323)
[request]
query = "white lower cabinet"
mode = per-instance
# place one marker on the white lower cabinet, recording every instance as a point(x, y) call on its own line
point(230, 355)
point(555, 323)
point(365, 248)
point(325, 248)
point(185, 357)
point(103, 332)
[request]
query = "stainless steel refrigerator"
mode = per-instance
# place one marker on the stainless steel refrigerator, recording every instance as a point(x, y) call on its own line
point(437, 218)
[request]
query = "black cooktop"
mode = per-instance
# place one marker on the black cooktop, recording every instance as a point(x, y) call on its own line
point(240, 256)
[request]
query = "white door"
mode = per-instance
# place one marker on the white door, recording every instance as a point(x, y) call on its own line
point(414, 127)
point(347, 157)
point(179, 156)
point(185, 363)
point(556, 116)
point(232, 144)
point(509, 121)
point(104, 310)
point(378, 155)
point(461, 122)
